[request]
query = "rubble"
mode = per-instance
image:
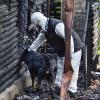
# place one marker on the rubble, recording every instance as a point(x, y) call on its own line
point(46, 91)
point(93, 91)
point(43, 93)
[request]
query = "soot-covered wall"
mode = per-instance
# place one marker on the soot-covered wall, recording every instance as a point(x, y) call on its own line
point(14, 22)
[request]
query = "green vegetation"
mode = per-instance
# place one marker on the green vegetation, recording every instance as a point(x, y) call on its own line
point(98, 49)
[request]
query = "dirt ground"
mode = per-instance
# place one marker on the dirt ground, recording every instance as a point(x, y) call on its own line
point(47, 93)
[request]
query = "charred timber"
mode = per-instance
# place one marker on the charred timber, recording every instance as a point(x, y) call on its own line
point(9, 22)
point(7, 13)
point(7, 39)
point(9, 82)
point(8, 17)
point(9, 60)
point(7, 33)
point(12, 53)
point(7, 69)
point(6, 29)
point(8, 76)
point(14, 4)
point(7, 45)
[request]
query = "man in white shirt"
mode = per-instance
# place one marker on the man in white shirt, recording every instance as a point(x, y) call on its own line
point(54, 33)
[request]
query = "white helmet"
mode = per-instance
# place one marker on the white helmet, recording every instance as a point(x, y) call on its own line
point(38, 18)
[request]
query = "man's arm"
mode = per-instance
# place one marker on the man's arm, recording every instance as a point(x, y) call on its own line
point(60, 31)
point(38, 42)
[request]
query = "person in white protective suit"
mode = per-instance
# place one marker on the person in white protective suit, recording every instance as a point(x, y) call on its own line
point(54, 33)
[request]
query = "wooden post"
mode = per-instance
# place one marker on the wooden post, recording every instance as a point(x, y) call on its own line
point(68, 71)
point(69, 10)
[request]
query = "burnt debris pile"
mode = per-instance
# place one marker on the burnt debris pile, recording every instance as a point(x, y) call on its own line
point(93, 91)
point(47, 92)
point(43, 93)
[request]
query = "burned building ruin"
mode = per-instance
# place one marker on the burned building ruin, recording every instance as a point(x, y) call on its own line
point(15, 36)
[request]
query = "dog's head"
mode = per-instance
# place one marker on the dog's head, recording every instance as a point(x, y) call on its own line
point(38, 65)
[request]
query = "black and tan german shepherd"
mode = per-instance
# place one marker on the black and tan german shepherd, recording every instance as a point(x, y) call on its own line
point(38, 66)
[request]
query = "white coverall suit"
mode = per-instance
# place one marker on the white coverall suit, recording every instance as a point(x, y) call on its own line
point(41, 20)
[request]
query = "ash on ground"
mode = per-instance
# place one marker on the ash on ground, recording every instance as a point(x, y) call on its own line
point(93, 91)
point(46, 92)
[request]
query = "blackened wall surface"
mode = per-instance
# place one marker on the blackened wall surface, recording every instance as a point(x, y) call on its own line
point(35, 6)
point(9, 50)
point(80, 17)
point(14, 22)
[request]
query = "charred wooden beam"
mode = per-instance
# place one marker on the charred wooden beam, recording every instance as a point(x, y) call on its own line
point(8, 61)
point(7, 13)
point(9, 82)
point(7, 39)
point(7, 45)
point(6, 29)
point(5, 70)
point(8, 75)
point(7, 33)
point(8, 17)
